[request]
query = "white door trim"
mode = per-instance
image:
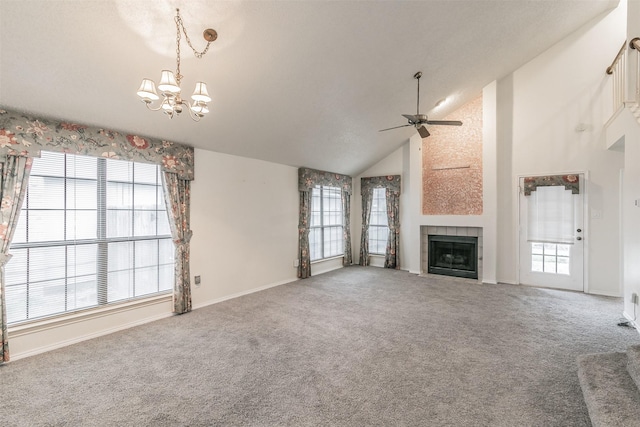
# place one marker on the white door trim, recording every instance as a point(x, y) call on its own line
point(586, 220)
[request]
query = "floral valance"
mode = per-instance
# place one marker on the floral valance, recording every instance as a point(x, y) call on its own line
point(25, 135)
point(309, 178)
point(390, 182)
point(570, 182)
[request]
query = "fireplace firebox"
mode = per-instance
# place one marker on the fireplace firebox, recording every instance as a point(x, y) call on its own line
point(453, 256)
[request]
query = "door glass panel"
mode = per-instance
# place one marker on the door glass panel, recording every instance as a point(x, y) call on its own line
point(550, 258)
point(563, 265)
point(550, 249)
point(537, 248)
point(549, 264)
point(564, 250)
point(537, 263)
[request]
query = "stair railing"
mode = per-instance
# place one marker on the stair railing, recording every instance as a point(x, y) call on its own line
point(617, 69)
point(635, 44)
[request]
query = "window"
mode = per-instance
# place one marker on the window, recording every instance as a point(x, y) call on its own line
point(550, 258)
point(378, 225)
point(92, 231)
point(326, 234)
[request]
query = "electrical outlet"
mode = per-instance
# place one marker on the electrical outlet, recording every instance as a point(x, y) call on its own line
point(296, 262)
point(634, 298)
point(196, 280)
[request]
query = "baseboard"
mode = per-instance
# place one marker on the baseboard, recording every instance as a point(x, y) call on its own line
point(603, 294)
point(633, 323)
point(239, 294)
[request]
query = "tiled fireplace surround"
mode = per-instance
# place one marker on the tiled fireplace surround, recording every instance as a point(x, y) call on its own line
point(427, 230)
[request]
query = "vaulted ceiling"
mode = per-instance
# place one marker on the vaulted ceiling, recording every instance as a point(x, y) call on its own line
point(302, 83)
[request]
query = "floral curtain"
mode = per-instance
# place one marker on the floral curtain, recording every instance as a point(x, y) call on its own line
point(392, 185)
point(367, 196)
point(391, 257)
point(346, 228)
point(15, 180)
point(177, 195)
point(570, 182)
point(307, 180)
point(27, 136)
point(304, 221)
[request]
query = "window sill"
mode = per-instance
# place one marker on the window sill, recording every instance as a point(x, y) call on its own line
point(29, 327)
point(327, 259)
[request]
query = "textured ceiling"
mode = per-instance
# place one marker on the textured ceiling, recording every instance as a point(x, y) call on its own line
point(302, 83)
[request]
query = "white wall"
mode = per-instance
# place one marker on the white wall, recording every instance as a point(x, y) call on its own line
point(625, 132)
point(549, 99)
point(245, 225)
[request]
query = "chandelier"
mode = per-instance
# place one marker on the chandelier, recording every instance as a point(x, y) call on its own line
point(169, 86)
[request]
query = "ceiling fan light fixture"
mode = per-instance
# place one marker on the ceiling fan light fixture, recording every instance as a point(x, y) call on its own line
point(419, 120)
point(169, 86)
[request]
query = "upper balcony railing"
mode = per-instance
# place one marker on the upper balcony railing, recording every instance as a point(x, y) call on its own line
point(618, 70)
point(635, 44)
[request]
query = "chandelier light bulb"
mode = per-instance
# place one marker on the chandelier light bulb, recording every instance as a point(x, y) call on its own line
point(200, 108)
point(201, 93)
point(147, 91)
point(168, 83)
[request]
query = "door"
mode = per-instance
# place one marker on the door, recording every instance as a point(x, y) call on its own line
point(552, 231)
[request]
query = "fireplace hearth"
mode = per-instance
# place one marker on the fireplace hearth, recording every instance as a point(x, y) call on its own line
point(453, 256)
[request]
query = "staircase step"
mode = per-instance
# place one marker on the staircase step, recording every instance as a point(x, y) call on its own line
point(633, 363)
point(610, 393)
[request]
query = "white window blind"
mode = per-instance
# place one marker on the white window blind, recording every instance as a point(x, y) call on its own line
point(378, 222)
point(551, 216)
point(91, 232)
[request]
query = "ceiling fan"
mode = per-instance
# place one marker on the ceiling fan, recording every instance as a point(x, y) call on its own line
point(419, 120)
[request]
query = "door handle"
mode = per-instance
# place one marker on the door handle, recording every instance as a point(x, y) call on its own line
point(578, 238)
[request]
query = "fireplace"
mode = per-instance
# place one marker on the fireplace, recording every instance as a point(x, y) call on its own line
point(453, 256)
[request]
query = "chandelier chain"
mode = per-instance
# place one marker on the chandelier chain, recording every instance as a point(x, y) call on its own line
point(186, 36)
point(178, 36)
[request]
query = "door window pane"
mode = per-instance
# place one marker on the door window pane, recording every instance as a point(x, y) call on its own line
point(550, 258)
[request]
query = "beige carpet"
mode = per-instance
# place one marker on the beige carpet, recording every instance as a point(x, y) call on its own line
point(354, 347)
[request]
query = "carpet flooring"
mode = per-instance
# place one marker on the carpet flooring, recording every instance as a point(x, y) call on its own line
point(359, 346)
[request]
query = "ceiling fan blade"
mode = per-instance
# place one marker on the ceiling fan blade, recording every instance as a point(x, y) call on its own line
point(445, 122)
point(412, 119)
point(403, 126)
point(423, 132)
